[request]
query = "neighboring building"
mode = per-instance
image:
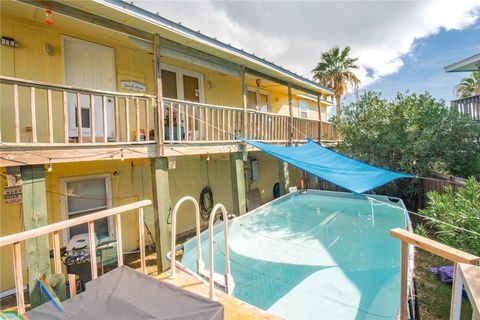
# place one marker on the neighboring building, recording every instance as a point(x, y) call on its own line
point(468, 105)
point(82, 130)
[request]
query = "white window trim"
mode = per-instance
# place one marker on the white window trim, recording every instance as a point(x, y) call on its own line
point(64, 205)
point(180, 72)
point(259, 91)
point(300, 109)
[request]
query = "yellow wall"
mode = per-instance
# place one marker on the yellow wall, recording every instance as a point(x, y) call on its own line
point(130, 182)
point(268, 168)
point(30, 61)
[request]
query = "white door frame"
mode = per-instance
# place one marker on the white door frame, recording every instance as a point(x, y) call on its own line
point(179, 72)
point(259, 91)
point(64, 204)
point(87, 43)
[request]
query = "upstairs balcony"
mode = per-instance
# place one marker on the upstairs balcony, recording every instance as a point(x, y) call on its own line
point(51, 116)
point(469, 106)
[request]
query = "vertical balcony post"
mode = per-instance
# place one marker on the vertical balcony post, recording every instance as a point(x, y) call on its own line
point(319, 120)
point(244, 100)
point(404, 281)
point(456, 300)
point(290, 110)
point(159, 123)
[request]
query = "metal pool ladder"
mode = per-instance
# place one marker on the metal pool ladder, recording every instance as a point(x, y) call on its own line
point(226, 282)
point(200, 263)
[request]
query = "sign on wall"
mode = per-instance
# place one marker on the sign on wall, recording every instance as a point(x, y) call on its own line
point(12, 192)
point(133, 85)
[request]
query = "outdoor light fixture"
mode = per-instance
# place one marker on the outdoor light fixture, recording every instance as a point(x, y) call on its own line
point(48, 17)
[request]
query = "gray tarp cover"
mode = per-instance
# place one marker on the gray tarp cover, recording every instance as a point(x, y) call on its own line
point(124, 293)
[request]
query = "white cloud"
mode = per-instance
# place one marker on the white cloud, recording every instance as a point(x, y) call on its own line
point(293, 34)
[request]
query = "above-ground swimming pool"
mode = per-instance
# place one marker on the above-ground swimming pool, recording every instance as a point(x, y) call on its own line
point(316, 255)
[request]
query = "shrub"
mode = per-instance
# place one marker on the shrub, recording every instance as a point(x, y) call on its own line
point(461, 209)
point(412, 133)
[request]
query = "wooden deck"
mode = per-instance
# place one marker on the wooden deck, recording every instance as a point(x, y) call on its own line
point(234, 308)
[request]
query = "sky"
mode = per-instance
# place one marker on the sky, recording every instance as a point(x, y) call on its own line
point(400, 45)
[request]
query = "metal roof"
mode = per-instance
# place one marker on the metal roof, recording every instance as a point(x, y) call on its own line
point(466, 65)
point(225, 51)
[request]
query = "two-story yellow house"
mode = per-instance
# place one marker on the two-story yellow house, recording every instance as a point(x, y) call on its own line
point(104, 103)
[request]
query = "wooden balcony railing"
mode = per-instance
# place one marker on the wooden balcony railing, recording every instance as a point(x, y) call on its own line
point(72, 115)
point(469, 106)
point(466, 272)
point(39, 114)
point(55, 229)
point(199, 122)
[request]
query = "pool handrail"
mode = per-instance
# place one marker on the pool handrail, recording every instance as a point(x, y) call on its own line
point(200, 263)
point(229, 284)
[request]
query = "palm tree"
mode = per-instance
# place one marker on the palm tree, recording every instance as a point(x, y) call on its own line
point(468, 86)
point(335, 70)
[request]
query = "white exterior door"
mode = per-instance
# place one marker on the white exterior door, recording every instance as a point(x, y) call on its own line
point(88, 65)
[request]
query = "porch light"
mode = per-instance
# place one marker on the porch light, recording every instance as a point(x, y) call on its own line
point(48, 17)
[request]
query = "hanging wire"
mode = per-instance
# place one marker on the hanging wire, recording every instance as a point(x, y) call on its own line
point(379, 202)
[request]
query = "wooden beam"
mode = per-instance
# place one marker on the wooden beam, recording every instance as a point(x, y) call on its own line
point(118, 237)
point(161, 207)
point(282, 82)
point(160, 118)
point(434, 247)
point(34, 207)
point(284, 177)
point(456, 298)
point(471, 281)
point(72, 285)
point(197, 57)
point(238, 182)
point(404, 281)
point(64, 9)
point(319, 120)
point(18, 269)
point(244, 100)
point(290, 110)
point(141, 239)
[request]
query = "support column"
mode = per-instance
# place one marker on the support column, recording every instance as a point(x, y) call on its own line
point(238, 182)
point(284, 177)
point(35, 215)
point(161, 209)
point(290, 109)
point(320, 120)
point(159, 115)
point(244, 100)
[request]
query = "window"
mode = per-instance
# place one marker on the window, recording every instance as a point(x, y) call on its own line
point(303, 109)
point(258, 99)
point(182, 84)
point(85, 195)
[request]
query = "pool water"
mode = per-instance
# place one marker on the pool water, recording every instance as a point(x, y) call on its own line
point(318, 255)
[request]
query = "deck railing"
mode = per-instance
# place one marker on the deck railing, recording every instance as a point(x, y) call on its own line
point(462, 272)
point(55, 229)
point(72, 115)
point(38, 114)
point(469, 106)
point(199, 122)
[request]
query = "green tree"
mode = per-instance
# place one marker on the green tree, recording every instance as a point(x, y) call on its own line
point(469, 86)
point(411, 133)
point(461, 209)
point(335, 70)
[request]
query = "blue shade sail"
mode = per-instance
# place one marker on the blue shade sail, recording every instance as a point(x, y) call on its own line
point(345, 172)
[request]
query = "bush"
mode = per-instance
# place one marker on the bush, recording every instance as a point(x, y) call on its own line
point(411, 133)
point(461, 209)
